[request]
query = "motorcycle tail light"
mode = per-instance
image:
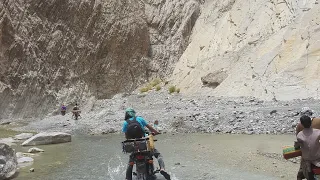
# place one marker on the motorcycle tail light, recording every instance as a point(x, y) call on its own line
point(139, 157)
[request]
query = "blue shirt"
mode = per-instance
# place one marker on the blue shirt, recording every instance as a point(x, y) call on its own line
point(143, 123)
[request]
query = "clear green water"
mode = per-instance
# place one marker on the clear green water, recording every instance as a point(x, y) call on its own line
point(100, 158)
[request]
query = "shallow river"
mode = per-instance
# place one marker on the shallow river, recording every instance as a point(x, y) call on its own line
point(187, 157)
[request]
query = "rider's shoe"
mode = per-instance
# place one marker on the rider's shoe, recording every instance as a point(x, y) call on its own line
point(165, 174)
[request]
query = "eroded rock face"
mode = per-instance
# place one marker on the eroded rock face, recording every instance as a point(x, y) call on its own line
point(8, 162)
point(270, 49)
point(170, 25)
point(54, 52)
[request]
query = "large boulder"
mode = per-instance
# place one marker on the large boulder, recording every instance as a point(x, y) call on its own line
point(8, 162)
point(214, 79)
point(25, 161)
point(48, 138)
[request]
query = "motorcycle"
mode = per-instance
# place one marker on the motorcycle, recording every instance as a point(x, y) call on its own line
point(76, 114)
point(63, 112)
point(141, 154)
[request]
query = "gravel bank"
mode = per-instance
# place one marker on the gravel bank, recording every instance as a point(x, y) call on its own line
point(186, 114)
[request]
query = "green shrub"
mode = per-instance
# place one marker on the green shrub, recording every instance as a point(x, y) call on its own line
point(155, 82)
point(158, 88)
point(144, 89)
point(178, 90)
point(172, 89)
point(149, 87)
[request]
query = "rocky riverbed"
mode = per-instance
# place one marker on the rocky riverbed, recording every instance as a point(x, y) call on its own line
point(179, 113)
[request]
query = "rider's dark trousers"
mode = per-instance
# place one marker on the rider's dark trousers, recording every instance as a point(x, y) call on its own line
point(156, 154)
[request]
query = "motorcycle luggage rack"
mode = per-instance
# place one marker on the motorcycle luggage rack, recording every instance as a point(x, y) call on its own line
point(135, 145)
point(133, 140)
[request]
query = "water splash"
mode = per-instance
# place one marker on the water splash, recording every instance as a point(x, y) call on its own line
point(116, 167)
point(173, 177)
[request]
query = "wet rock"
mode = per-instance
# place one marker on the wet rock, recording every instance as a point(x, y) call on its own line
point(35, 150)
point(273, 112)
point(19, 154)
point(109, 131)
point(228, 130)
point(48, 138)
point(25, 161)
point(23, 136)
point(6, 123)
point(177, 164)
point(8, 162)
point(9, 141)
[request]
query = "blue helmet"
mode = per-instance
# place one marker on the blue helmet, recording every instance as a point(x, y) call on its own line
point(131, 112)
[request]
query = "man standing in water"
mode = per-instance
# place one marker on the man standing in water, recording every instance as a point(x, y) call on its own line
point(133, 127)
point(308, 140)
point(156, 125)
point(307, 112)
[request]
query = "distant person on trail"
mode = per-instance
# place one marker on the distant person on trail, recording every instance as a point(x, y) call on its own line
point(76, 107)
point(75, 111)
point(63, 109)
point(133, 127)
point(308, 141)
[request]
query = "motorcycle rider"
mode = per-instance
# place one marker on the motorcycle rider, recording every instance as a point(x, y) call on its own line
point(75, 110)
point(308, 140)
point(138, 132)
